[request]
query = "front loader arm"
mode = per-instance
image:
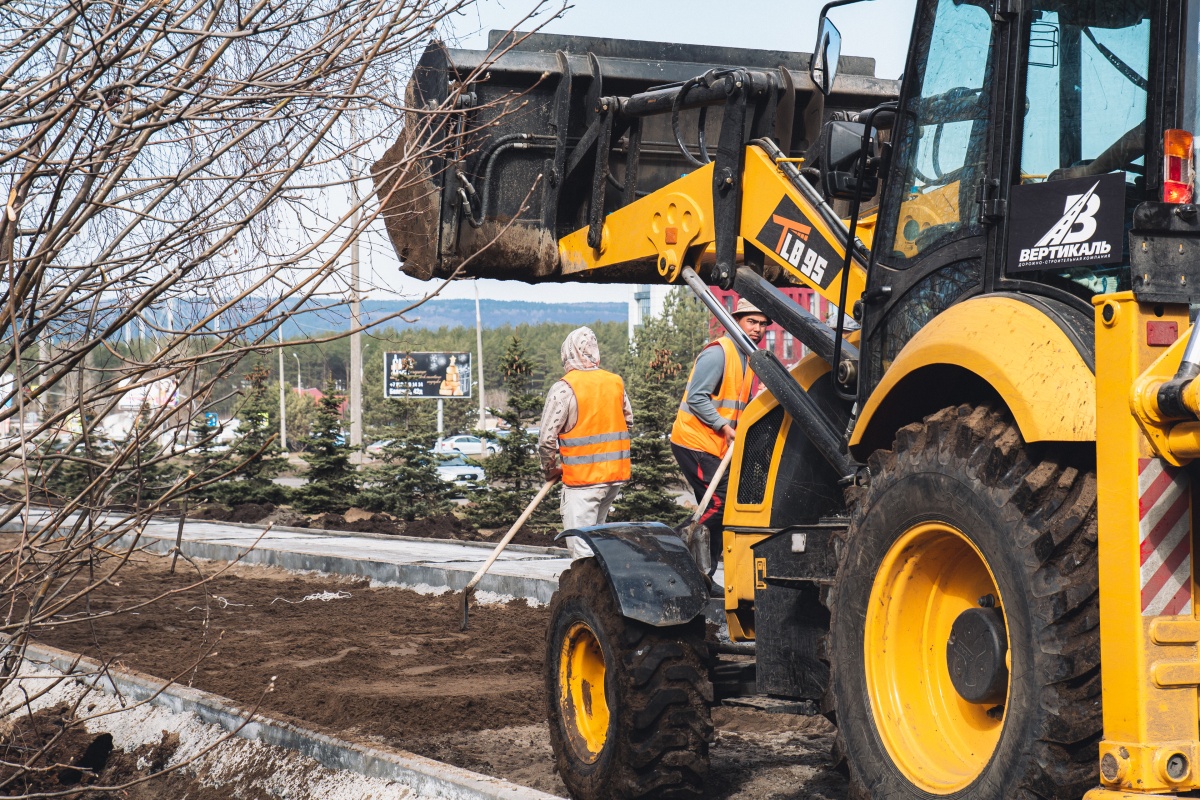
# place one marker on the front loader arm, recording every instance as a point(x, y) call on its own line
point(779, 225)
point(675, 227)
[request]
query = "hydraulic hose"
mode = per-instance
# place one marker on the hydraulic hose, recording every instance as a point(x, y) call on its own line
point(512, 141)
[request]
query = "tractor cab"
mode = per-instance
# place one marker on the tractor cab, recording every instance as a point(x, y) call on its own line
point(1021, 147)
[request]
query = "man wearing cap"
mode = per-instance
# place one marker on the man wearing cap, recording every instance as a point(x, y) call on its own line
point(584, 436)
point(706, 424)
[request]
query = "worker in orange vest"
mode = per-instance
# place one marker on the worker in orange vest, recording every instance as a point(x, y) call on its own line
point(706, 423)
point(584, 436)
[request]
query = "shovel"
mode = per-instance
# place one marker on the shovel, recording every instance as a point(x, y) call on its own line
point(696, 535)
point(529, 509)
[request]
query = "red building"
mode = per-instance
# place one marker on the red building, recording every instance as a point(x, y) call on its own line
point(776, 339)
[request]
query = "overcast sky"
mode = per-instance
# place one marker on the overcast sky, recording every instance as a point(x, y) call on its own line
point(879, 29)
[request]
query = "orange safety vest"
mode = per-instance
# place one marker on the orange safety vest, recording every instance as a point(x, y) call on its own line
point(596, 450)
point(730, 398)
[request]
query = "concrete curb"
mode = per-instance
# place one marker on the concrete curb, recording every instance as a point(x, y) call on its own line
point(426, 777)
point(549, 550)
point(408, 575)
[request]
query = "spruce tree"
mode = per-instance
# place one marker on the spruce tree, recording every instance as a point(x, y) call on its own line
point(332, 480)
point(202, 459)
point(255, 452)
point(407, 483)
point(515, 473)
point(66, 470)
point(151, 474)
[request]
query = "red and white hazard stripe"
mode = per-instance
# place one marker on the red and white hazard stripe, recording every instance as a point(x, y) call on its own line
point(1164, 508)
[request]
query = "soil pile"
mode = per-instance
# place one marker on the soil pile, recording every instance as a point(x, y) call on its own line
point(449, 526)
point(58, 755)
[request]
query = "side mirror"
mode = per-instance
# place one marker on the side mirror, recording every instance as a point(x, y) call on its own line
point(841, 144)
point(822, 69)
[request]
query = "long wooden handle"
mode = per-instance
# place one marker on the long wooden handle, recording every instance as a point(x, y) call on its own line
point(712, 484)
point(529, 509)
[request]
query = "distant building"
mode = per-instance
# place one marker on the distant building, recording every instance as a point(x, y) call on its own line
point(646, 303)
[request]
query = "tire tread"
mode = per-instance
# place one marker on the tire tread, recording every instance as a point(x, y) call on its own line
point(1052, 499)
point(664, 725)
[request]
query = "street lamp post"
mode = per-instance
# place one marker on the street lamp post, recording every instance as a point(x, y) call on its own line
point(282, 398)
point(299, 383)
point(479, 349)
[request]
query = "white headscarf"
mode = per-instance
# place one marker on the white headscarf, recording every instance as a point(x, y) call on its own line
point(580, 350)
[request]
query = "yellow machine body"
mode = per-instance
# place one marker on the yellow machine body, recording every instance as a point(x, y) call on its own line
point(1001, 352)
point(676, 223)
point(1151, 669)
point(1020, 352)
point(1151, 660)
point(744, 523)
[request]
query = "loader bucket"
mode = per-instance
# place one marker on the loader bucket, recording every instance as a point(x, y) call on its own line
point(541, 134)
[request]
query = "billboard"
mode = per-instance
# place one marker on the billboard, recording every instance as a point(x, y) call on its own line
point(428, 375)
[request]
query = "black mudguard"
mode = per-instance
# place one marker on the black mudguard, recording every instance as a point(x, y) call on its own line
point(650, 570)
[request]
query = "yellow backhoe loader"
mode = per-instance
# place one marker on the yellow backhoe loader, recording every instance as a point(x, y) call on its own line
point(963, 529)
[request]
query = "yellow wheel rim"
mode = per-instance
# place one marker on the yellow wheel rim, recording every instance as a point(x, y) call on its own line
point(938, 740)
point(581, 692)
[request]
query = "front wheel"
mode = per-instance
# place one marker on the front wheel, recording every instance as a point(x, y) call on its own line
point(964, 633)
point(628, 702)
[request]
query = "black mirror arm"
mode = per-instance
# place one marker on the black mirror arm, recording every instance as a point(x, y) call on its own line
point(832, 5)
point(855, 205)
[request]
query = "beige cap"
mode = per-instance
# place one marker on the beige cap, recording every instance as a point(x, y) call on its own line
point(744, 306)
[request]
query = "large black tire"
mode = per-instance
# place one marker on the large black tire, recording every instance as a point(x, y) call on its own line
point(1030, 512)
point(657, 691)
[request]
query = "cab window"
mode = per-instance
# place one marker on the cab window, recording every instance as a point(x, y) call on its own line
point(1085, 111)
point(941, 149)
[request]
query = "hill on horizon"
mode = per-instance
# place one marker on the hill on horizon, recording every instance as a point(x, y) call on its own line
point(439, 313)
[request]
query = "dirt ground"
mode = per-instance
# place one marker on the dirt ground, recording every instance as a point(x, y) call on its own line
point(61, 756)
point(389, 666)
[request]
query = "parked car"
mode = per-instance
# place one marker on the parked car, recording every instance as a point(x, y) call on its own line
point(459, 472)
point(376, 449)
point(467, 445)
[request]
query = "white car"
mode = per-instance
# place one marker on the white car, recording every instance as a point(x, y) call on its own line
point(377, 448)
point(467, 445)
point(459, 472)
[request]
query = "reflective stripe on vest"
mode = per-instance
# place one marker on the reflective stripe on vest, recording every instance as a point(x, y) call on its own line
point(596, 450)
point(730, 399)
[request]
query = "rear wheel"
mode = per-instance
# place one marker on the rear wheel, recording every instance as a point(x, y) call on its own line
point(965, 623)
point(628, 702)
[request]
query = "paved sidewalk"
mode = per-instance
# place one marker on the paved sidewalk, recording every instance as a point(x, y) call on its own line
point(528, 572)
point(422, 564)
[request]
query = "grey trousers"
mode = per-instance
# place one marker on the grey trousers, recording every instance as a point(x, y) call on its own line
point(582, 506)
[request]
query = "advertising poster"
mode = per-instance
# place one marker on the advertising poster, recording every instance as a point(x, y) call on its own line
point(427, 375)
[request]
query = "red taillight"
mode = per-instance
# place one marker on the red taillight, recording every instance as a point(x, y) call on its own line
point(1179, 178)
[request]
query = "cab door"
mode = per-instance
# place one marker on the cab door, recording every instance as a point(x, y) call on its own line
point(929, 249)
